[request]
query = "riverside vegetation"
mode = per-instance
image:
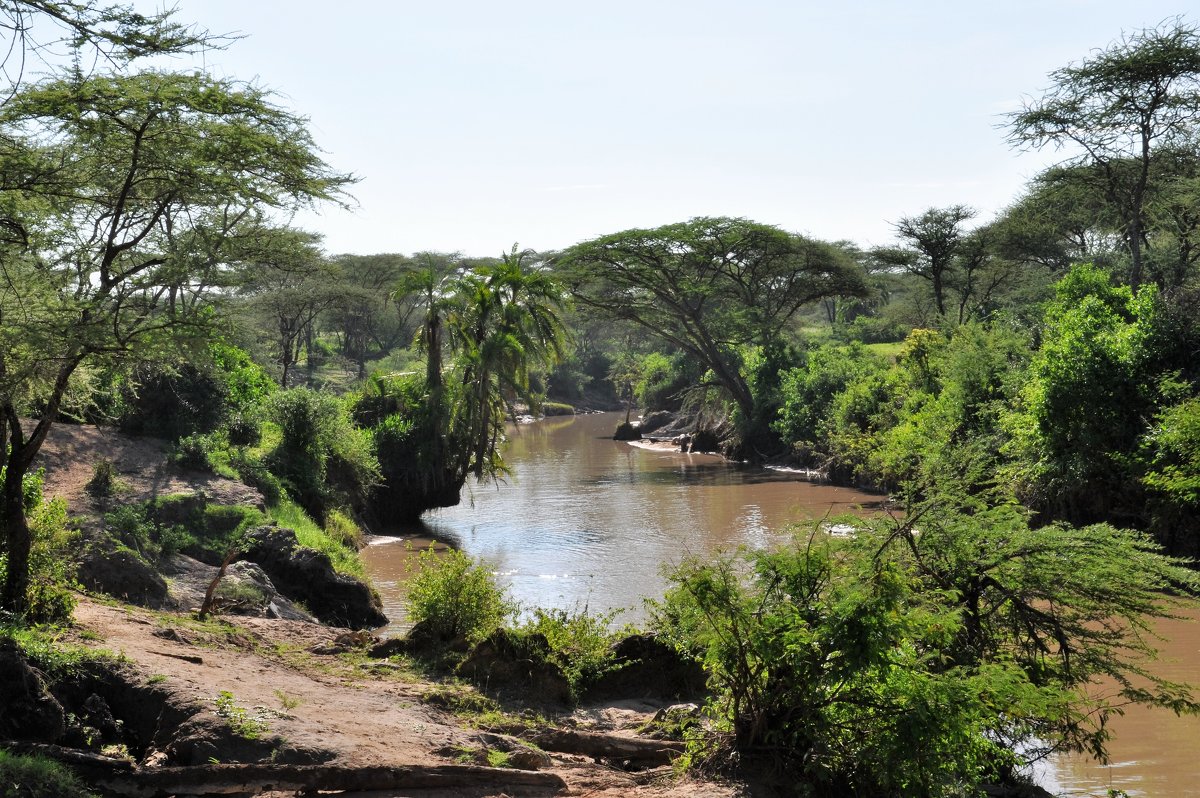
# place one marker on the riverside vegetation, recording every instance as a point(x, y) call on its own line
point(1027, 387)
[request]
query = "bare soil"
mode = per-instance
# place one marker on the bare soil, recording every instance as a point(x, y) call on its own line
point(358, 711)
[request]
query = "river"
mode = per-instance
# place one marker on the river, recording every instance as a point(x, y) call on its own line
point(588, 521)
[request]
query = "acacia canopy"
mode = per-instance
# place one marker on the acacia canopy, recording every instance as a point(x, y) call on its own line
point(126, 199)
point(1115, 111)
point(710, 286)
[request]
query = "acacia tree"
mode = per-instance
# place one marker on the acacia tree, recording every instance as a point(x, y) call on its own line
point(1115, 111)
point(709, 286)
point(932, 241)
point(115, 181)
point(110, 33)
point(367, 314)
point(288, 283)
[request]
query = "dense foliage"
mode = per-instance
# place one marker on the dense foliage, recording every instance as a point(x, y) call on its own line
point(926, 656)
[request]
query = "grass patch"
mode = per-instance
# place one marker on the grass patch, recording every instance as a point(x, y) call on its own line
point(45, 647)
point(243, 723)
point(290, 515)
point(888, 350)
point(37, 777)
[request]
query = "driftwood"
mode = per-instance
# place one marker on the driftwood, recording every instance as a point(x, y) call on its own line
point(210, 595)
point(607, 746)
point(253, 779)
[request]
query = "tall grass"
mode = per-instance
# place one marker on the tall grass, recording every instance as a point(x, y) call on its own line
point(309, 533)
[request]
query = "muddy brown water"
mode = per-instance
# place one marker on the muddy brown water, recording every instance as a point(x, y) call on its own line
point(588, 521)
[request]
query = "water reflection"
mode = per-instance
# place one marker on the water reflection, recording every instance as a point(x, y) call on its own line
point(588, 520)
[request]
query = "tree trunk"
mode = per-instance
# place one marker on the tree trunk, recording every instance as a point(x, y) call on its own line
point(251, 779)
point(433, 352)
point(17, 535)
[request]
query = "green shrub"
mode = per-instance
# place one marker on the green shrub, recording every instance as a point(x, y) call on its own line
point(579, 642)
point(253, 472)
point(244, 430)
point(454, 596)
point(341, 529)
point(37, 777)
point(309, 533)
point(130, 524)
point(200, 452)
point(557, 409)
point(104, 481)
point(322, 458)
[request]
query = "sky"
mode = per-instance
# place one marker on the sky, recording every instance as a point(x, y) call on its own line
point(475, 125)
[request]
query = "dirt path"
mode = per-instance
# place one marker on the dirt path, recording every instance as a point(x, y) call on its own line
point(360, 713)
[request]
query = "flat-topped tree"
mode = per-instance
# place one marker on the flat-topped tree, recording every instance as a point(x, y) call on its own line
point(126, 194)
point(1114, 112)
point(710, 286)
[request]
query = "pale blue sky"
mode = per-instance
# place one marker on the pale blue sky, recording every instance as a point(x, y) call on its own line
point(474, 125)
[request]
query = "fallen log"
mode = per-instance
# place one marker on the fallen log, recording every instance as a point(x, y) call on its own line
point(71, 756)
point(253, 779)
point(607, 746)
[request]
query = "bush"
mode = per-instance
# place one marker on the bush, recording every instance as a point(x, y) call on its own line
point(580, 642)
point(244, 430)
point(899, 663)
point(104, 481)
point(454, 597)
point(322, 458)
point(199, 452)
point(38, 777)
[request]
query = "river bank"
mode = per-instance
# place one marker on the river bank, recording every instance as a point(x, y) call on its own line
point(202, 702)
point(587, 521)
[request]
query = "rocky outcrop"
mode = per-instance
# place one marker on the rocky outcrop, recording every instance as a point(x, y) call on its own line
point(245, 589)
point(652, 422)
point(27, 709)
point(121, 573)
point(517, 667)
point(646, 667)
point(307, 576)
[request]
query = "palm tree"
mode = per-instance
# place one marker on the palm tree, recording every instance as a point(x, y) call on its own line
point(505, 321)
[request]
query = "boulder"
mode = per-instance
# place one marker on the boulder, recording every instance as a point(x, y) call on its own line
point(646, 667)
point(517, 666)
point(704, 440)
point(121, 573)
point(307, 576)
point(28, 711)
point(651, 422)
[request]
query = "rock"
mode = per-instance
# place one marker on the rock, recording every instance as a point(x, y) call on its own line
point(204, 737)
point(389, 647)
point(671, 722)
point(652, 422)
point(648, 668)
point(517, 666)
point(626, 432)
point(520, 755)
point(27, 709)
point(306, 575)
point(121, 573)
point(245, 589)
point(98, 715)
point(704, 441)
